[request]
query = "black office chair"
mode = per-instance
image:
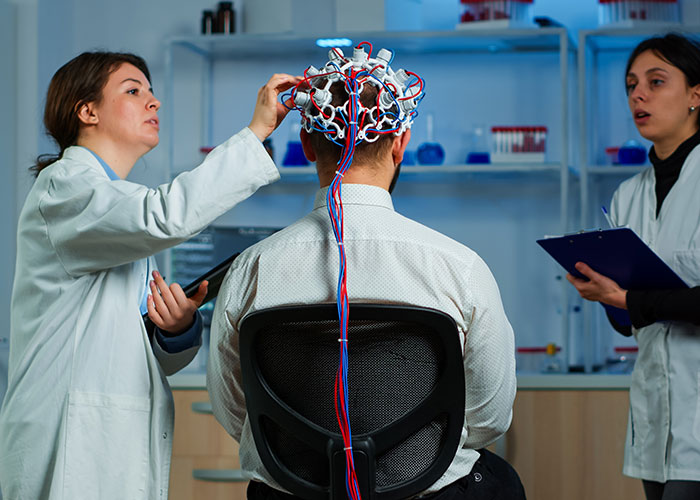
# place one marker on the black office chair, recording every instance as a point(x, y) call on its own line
point(406, 397)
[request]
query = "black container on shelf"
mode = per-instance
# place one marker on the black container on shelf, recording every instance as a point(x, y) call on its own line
point(226, 18)
point(209, 24)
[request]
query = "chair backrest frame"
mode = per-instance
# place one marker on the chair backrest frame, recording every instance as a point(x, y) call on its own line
point(447, 397)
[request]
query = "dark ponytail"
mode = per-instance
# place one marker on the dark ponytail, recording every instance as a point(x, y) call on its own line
point(79, 81)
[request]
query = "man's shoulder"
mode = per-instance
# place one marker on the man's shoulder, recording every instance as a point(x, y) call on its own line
point(300, 230)
point(418, 234)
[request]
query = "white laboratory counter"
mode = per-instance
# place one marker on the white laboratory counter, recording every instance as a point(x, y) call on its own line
point(573, 381)
point(526, 381)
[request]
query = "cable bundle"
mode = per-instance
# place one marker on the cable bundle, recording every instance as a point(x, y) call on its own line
point(335, 211)
point(347, 125)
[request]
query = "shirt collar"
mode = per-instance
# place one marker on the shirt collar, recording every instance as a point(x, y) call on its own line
point(357, 194)
point(110, 173)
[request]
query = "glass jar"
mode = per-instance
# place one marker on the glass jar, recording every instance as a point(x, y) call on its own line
point(225, 18)
point(208, 22)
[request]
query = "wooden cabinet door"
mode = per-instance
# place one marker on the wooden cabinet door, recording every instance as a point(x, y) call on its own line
point(569, 444)
point(199, 442)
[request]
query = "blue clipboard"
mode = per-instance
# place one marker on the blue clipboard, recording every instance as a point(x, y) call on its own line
point(620, 255)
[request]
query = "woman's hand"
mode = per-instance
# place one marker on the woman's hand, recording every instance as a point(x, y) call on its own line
point(269, 112)
point(598, 287)
point(169, 308)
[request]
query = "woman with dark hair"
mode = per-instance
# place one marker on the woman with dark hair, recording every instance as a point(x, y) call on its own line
point(88, 411)
point(662, 205)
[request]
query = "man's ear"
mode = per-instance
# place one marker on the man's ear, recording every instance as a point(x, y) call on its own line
point(398, 147)
point(306, 145)
point(86, 113)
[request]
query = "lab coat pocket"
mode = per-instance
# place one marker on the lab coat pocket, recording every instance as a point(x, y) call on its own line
point(107, 443)
point(687, 264)
point(639, 414)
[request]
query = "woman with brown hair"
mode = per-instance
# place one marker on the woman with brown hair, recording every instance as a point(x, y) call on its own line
point(88, 412)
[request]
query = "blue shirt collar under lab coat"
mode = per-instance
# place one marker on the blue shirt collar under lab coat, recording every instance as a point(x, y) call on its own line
point(110, 173)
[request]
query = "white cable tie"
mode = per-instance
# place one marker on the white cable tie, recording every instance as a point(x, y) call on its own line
point(339, 173)
point(340, 243)
point(348, 448)
point(342, 340)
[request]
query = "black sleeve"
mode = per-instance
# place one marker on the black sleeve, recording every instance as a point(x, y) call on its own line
point(625, 330)
point(649, 306)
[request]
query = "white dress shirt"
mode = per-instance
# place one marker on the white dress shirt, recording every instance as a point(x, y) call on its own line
point(390, 259)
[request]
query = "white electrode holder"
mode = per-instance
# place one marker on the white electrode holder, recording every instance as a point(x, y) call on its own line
point(399, 93)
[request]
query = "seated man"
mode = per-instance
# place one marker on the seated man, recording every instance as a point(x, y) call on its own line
point(391, 259)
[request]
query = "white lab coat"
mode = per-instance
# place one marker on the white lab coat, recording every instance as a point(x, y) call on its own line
point(88, 412)
point(663, 433)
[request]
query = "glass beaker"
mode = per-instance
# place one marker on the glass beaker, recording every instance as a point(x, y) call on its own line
point(479, 146)
point(430, 152)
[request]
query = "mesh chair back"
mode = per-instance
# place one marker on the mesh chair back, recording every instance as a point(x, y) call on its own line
point(406, 397)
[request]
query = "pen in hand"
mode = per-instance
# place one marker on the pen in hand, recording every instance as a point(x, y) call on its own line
point(607, 217)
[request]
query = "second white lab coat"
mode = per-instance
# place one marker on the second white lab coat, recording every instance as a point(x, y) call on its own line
point(88, 412)
point(663, 435)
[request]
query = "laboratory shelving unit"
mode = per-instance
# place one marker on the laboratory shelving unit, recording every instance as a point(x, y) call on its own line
point(211, 50)
point(598, 180)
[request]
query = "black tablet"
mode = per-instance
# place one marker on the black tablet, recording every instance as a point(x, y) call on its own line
point(215, 276)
